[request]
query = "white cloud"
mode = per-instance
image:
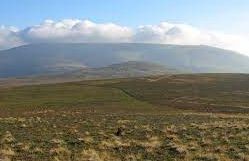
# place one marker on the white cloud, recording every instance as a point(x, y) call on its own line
point(73, 30)
point(76, 31)
point(182, 34)
point(9, 37)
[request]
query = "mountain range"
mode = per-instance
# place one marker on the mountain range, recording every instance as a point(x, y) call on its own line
point(124, 59)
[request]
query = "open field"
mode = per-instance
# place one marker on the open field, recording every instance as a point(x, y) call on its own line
point(180, 117)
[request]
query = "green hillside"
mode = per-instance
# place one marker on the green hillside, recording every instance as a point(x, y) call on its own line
point(179, 117)
point(68, 95)
point(214, 92)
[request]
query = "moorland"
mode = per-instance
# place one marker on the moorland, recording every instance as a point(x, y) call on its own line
point(166, 117)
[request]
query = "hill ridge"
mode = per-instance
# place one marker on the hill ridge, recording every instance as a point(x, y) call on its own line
point(57, 58)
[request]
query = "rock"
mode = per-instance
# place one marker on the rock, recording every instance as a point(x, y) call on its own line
point(120, 132)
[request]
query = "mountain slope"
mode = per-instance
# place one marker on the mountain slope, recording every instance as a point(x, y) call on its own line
point(122, 70)
point(126, 69)
point(59, 58)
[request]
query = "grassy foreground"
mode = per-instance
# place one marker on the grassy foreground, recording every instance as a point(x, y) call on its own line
point(184, 117)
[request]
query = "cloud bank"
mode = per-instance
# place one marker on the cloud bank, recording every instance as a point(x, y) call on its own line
point(9, 37)
point(78, 31)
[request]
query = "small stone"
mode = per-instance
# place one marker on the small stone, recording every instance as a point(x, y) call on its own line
point(120, 132)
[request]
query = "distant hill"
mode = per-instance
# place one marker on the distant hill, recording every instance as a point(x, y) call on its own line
point(126, 69)
point(122, 70)
point(37, 59)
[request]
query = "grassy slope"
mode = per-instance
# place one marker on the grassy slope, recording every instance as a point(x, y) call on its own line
point(204, 92)
point(79, 121)
point(67, 96)
point(208, 93)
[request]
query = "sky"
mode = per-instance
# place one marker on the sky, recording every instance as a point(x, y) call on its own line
point(220, 23)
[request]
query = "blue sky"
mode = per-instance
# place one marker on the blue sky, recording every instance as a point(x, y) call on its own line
point(219, 23)
point(226, 15)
